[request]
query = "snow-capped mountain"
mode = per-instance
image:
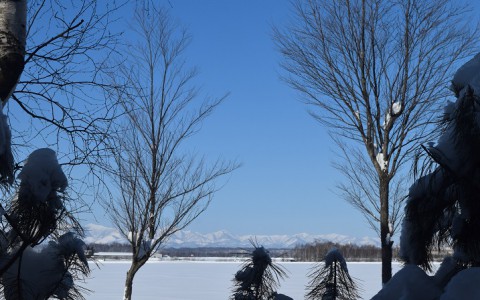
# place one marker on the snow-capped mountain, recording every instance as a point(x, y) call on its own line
point(99, 234)
point(189, 239)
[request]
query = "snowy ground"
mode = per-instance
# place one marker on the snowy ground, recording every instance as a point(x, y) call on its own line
point(207, 280)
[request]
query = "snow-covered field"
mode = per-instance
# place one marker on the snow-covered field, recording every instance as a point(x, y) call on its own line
point(207, 280)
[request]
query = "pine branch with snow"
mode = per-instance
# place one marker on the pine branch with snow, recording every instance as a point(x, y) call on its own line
point(49, 273)
point(38, 205)
point(36, 213)
point(258, 278)
point(443, 206)
point(330, 280)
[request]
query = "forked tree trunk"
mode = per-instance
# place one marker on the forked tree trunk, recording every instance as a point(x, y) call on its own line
point(13, 24)
point(385, 235)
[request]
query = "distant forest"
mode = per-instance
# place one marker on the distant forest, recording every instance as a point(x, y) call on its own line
point(316, 252)
point(308, 252)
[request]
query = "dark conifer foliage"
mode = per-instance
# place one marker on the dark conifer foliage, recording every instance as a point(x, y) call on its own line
point(443, 205)
point(35, 214)
point(258, 278)
point(330, 280)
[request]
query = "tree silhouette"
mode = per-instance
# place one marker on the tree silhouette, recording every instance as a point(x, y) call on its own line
point(331, 281)
point(258, 278)
point(443, 207)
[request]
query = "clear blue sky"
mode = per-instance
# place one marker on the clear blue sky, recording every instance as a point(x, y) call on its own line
point(286, 184)
point(286, 181)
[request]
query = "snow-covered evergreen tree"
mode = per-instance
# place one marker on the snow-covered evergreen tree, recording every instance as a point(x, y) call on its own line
point(330, 280)
point(35, 214)
point(258, 278)
point(48, 273)
point(443, 206)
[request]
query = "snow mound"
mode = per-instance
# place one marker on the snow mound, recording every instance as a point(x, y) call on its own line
point(410, 283)
point(463, 286)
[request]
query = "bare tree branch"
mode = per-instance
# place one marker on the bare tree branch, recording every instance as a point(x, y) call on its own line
point(63, 92)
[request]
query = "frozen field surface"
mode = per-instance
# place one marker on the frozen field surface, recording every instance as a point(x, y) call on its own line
point(203, 280)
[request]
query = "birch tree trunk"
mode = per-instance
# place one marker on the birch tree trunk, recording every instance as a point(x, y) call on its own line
point(13, 24)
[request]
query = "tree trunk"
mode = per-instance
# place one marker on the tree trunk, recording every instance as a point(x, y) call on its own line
point(129, 280)
point(385, 235)
point(151, 219)
point(12, 44)
point(335, 280)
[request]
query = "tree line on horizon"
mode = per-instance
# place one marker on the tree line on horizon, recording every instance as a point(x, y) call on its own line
point(309, 252)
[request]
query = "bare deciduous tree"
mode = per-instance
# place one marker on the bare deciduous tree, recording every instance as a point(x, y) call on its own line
point(375, 72)
point(161, 187)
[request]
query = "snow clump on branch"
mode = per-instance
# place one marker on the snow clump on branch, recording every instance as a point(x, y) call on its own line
point(49, 272)
point(42, 175)
point(467, 75)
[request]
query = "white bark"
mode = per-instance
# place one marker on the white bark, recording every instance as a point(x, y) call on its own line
point(13, 21)
point(13, 24)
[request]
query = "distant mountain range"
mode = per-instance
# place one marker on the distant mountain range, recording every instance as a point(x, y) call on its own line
point(187, 239)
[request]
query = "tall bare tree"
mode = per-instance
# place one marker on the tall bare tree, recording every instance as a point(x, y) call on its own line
point(161, 187)
point(374, 72)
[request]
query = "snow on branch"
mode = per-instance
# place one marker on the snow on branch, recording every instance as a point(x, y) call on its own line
point(42, 175)
point(49, 272)
point(331, 280)
point(258, 278)
point(38, 206)
point(467, 75)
